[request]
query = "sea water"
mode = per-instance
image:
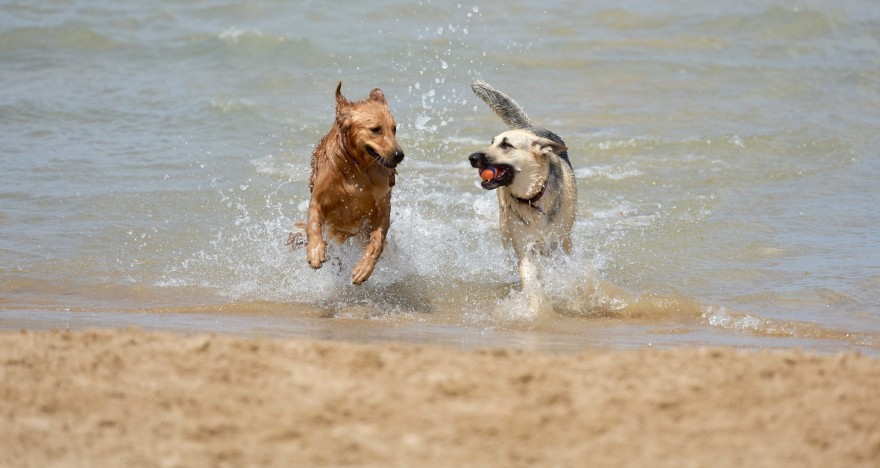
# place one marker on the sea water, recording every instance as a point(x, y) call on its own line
point(154, 156)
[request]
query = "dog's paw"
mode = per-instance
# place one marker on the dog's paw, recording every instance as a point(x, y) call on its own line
point(316, 254)
point(362, 270)
point(296, 240)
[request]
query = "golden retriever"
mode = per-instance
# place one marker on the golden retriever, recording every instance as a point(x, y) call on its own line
point(353, 171)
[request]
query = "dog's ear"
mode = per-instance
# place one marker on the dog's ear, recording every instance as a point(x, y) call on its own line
point(342, 107)
point(340, 99)
point(545, 146)
point(377, 95)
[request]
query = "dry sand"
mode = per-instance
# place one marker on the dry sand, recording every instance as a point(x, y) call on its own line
point(133, 398)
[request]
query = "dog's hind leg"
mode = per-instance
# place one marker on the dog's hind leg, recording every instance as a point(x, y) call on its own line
point(297, 239)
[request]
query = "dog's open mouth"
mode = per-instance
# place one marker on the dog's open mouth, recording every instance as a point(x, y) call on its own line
point(375, 154)
point(495, 175)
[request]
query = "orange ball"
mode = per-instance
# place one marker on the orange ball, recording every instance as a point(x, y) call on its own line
point(488, 173)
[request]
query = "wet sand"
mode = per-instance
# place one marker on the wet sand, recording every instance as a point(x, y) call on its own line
point(136, 398)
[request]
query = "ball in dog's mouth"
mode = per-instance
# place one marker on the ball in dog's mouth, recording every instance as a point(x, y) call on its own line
point(495, 176)
point(488, 173)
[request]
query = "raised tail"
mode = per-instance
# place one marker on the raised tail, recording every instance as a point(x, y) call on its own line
point(510, 112)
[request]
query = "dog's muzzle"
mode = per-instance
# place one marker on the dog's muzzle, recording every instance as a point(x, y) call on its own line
point(503, 172)
point(478, 160)
point(397, 157)
point(390, 162)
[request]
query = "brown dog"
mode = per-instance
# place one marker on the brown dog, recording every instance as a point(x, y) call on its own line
point(353, 170)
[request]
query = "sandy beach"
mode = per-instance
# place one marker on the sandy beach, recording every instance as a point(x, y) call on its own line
point(135, 398)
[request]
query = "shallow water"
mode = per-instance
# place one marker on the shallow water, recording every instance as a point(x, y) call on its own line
point(155, 156)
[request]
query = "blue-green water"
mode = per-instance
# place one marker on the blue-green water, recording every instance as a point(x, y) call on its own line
point(155, 155)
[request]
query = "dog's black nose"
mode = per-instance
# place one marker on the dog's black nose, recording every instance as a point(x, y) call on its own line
point(397, 156)
point(477, 159)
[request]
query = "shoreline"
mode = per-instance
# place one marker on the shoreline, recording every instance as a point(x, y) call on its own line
point(559, 333)
point(146, 398)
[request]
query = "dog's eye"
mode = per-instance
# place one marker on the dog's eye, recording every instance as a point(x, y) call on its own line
point(505, 145)
point(376, 130)
point(394, 129)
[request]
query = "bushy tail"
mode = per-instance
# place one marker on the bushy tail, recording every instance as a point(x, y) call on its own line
point(510, 112)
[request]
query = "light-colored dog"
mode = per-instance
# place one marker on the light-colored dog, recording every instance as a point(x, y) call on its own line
point(353, 170)
point(537, 192)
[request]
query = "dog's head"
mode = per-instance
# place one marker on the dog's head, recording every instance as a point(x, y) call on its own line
point(368, 130)
point(519, 158)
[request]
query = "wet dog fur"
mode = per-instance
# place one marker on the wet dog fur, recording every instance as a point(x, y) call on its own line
point(353, 171)
point(535, 184)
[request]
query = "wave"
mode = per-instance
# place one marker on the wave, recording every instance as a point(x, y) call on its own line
point(227, 104)
point(66, 36)
point(775, 23)
point(724, 318)
point(254, 43)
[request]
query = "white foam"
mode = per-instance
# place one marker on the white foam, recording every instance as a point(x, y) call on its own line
point(228, 104)
point(234, 34)
point(724, 318)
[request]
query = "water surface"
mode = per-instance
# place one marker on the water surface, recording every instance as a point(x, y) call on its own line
point(154, 157)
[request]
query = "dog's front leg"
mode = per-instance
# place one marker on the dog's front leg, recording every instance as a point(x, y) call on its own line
point(367, 264)
point(375, 245)
point(316, 250)
point(530, 275)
